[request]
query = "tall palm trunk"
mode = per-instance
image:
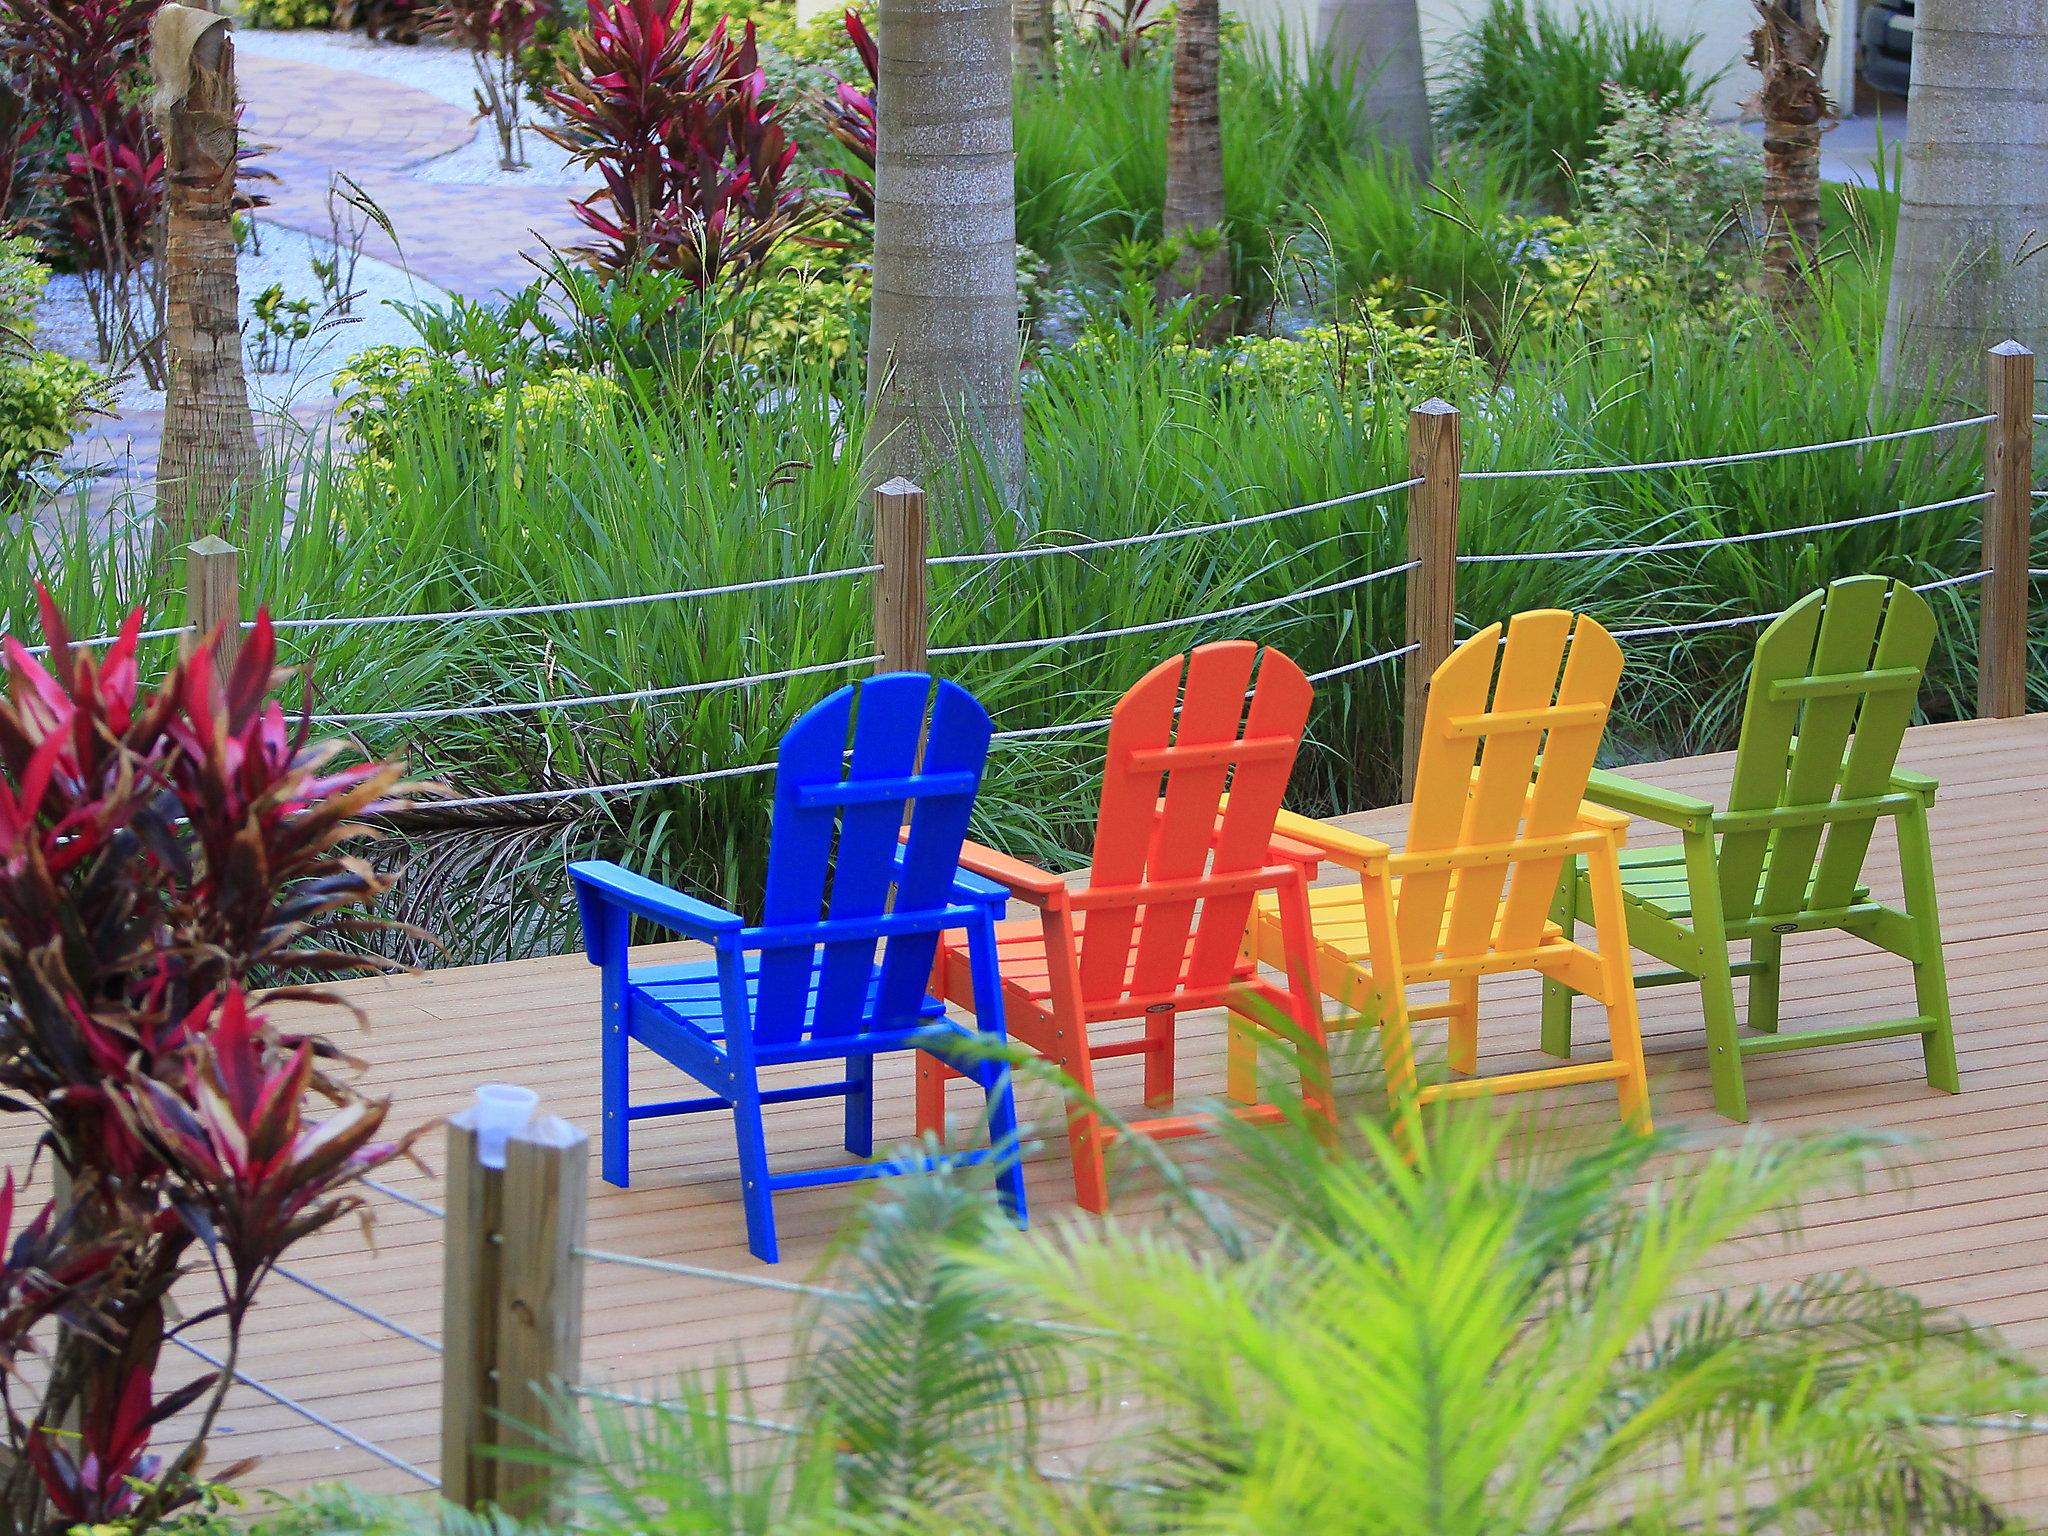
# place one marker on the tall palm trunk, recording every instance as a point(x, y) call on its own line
point(209, 462)
point(1381, 42)
point(1787, 48)
point(943, 344)
point(1971, 266)
point(1194, 157)
point(1032, 21)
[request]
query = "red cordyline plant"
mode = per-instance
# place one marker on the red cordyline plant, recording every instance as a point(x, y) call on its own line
point(496, 33)
point(849, 114)
point(695, 157)
point(1122, 25)
point(168, 860)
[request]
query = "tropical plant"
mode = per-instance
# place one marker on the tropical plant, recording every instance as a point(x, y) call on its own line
point(1378, 44)
point(1124, 25)
point(1193, 214)
point(1527, 82)
point(1469, 1333)
point(1787, 48)
point(1972, 265)
point(849, 115)
point(165, 854)
point(209, 460)
point(44, 396)
point(695, 157)
point(81, 66)
point(943, 344)
point(497, 35)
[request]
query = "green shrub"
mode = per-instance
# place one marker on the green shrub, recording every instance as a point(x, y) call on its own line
point(1528, 84)
point(282, 15)
point(44, 396)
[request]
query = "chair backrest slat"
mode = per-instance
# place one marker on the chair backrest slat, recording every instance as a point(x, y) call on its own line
point(1831, 692)
point(847, 777)
point(1510, 735)
point(1212, 745)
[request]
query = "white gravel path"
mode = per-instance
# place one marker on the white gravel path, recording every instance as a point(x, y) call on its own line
point(441, 71)
point(64, 323)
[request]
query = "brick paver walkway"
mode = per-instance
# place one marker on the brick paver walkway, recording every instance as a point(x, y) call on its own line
point(317, 121)
point(470, 240)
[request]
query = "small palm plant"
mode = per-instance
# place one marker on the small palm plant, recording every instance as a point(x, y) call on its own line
point(1469, 1337)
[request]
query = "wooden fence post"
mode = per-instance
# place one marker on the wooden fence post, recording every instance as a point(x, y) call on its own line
point(2008, 528)
point(213, 595)
point(1434, 455)
point(901, 630)
point(511, 1305)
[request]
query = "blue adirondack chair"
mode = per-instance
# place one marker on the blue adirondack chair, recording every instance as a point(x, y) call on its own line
point(838, 966)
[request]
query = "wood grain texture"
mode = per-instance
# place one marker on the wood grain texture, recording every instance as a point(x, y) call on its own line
point(1965, 1223)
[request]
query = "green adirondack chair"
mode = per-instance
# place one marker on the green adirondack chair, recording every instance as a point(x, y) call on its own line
point(1831, 691)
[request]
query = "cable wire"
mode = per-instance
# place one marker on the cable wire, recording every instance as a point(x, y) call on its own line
point(1511, 558)
point(358, 1309)
point(1557, 472)
point(311, 1416)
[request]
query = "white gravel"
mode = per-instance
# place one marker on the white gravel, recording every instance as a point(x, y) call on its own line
point(441, 71)
point(64, 323)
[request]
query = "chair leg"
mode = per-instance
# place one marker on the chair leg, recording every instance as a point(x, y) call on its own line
point(860, 1106)
point(1084, 1134)
point(1464, 1024)
point(612, 1051)
point(1930, 967)
point(1766, 952)
point(1241, 1070)
point(1004, 1138)
point(1557, 997)
point(931, 1096)
point(1159, 1057)
point(755, 1190)
point(1717, 985)
point(1618, 982)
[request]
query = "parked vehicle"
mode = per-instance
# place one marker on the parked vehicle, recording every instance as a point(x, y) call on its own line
point(1884, 44)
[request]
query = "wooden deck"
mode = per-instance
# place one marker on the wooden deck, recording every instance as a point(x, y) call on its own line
point(1968, 1227)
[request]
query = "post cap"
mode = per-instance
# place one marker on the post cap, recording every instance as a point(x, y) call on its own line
point(212, 544)
point(2011, 348)
point(899, 487)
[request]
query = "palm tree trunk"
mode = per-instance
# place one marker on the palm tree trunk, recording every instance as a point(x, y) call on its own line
point(1787, 48)
point(1194, 157)
point(943, 343)
point(208, 463)
point(1970, 268)
point(1380, 41)
point(1033, 22)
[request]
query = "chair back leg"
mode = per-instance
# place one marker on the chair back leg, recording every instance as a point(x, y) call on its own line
point(860, 1105)
point(1557, 997)
point(1766, 954)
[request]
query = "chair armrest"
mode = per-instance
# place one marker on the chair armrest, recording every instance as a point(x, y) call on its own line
point(1021, 880)
point(1665, 806)
point(1600, 816)
point(1354, 850)
point(1906, 782)
point(601, 881)
point(969, 890)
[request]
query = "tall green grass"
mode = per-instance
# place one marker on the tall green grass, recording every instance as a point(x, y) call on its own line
point(686, 491)
point(1527, 82)
point(1091, 155)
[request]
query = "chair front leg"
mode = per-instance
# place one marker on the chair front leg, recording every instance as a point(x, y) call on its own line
point(1716, 975)
point(1067, 1047)
point(994, 1075)
point(1618, 982)
point(756, 1192)
point(1930, 967)
point(616, 1156)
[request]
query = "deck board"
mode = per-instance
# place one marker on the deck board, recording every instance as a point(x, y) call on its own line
point(1965, 1225)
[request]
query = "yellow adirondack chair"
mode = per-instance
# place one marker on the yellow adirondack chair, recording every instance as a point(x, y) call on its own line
point(1507, 744)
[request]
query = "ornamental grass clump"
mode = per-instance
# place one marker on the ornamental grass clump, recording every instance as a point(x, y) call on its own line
point(170, 862)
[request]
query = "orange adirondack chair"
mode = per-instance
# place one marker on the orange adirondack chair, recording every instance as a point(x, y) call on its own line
point(1508, 741)
point(1159, 928)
